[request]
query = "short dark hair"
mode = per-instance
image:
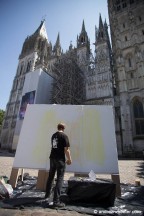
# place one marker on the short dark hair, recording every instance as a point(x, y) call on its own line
point(61, 126)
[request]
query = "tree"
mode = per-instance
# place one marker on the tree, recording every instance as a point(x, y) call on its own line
point(2, 112)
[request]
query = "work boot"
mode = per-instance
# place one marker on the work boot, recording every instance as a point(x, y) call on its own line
point(59, 204)
point(47, 195)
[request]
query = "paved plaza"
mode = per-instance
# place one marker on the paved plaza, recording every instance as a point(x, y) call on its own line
point(129, 170)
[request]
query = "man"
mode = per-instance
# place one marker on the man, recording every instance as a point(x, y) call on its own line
point(59, 149)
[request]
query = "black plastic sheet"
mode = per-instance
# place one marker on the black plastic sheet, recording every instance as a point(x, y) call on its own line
point(27, 196)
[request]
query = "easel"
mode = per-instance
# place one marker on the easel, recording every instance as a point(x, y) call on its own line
point(41, 181)
point(116, 179)
point(43, 175)
point(14, 176)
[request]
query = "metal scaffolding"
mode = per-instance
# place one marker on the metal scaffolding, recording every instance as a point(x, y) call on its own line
point(68, 86)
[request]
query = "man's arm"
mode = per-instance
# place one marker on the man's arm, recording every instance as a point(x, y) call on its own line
point(68, 155)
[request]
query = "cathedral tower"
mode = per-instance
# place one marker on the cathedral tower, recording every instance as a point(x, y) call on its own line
point(55, 54)
point(83, 48)
point(127, 33)
point(99, 86)
point(57, 47)
point(34, 54)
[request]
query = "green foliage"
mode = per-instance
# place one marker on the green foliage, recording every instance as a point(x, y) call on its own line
point(2, 112)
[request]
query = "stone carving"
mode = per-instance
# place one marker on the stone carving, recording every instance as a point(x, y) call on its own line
point(131, 16)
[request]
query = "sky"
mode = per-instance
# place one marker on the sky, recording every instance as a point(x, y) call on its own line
point(20, 18)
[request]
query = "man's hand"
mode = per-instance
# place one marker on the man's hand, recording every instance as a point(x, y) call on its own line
point(68, 162)
point(68, 156)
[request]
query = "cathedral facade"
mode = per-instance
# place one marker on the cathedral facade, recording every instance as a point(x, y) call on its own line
point(113, 76)
point(127, 34)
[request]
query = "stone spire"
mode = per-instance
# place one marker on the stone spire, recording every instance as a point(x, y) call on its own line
point(100, 32)
point(57, 46)
point(82, 39)
point(83, 27)
point(42, 30)
point(35, 41)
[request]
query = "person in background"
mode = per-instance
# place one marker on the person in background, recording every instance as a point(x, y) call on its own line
point(60, 156)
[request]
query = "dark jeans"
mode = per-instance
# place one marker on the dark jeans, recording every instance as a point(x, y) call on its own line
point(59, 167)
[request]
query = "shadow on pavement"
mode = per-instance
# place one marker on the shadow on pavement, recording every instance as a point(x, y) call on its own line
point(4, 153)
point(140, 169)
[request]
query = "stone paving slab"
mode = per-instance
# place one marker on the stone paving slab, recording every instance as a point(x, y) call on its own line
point(129, 170)
point(12, 212)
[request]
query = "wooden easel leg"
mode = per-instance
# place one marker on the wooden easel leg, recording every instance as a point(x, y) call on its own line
point(22, 174)
point(14, 177)
point(42, 180)
point(116, 180)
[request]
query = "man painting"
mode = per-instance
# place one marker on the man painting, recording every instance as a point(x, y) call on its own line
point(59, 157)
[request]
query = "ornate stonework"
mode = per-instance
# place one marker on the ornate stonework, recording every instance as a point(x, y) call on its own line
point(127, 25)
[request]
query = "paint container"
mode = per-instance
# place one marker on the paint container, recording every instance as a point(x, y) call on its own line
point(92, 175)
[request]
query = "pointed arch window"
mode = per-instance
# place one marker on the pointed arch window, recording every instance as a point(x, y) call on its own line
point(138, 117)
point(39, 44)
point(131, 75)
point(132, 1)
point(126, 38)
point(82, 40)
point(118, 8)
point(129, 62)
point(21, 69)
point(140, 19)
point(102, 34)
point(15, 84)
point(18, 69)
point(124, 4)
point(118, 5)
point(28, 66)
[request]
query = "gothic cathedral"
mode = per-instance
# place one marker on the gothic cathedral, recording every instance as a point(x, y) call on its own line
point(113, 76)
point(127, 34)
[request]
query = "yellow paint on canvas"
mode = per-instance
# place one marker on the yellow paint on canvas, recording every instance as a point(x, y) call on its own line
point(76, 134)
point(43, 136)
point(92, 136)
point(84, 133)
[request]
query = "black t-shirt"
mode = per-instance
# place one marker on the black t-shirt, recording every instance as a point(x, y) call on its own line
point(59, 141)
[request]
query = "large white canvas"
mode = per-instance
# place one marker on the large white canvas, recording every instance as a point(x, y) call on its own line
point(90, 129)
